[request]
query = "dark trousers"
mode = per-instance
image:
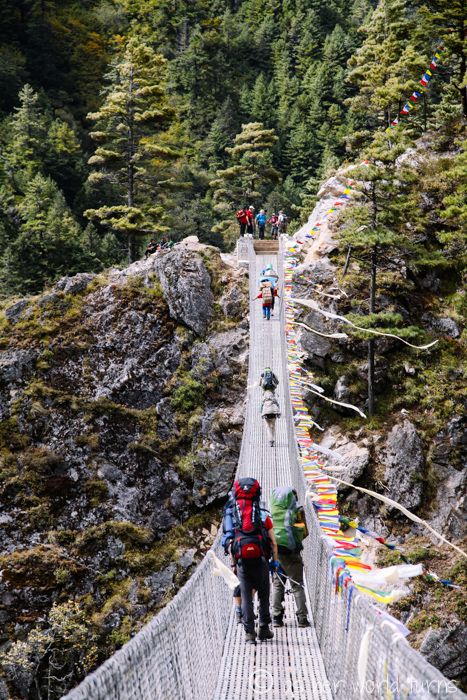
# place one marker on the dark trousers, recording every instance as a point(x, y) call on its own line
point(261, 231)
point(254, 574)
point(242, 229)
point(292, 564)
point(249, 228)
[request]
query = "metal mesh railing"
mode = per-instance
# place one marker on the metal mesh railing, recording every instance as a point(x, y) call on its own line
point(177, 655)
point(364, 656)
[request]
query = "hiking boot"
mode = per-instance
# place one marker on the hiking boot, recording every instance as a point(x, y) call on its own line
point(250, 638)
point(304, 622)
point(272, 443)
point(265, 633)
point(277, 622)
point(239, 616)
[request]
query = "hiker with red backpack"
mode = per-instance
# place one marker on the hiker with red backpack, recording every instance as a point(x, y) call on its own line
point(290, 530)
point(269, 275)
point(242, 218)
point(267, 294)
point(249, 538)
point(273, 221)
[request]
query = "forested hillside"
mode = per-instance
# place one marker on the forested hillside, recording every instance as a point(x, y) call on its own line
point(118, 116)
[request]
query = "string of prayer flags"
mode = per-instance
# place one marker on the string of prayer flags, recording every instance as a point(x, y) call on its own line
point(348, 572)
point(414, 97)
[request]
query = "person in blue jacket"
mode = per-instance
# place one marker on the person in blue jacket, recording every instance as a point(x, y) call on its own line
point(261, 219)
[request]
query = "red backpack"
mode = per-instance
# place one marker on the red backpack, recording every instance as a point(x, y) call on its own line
point(242, 216)
point(251, 540)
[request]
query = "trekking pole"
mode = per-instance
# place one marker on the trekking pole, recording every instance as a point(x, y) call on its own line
point(282, 574)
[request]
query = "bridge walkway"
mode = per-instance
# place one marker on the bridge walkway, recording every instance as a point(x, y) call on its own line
point(290, 665)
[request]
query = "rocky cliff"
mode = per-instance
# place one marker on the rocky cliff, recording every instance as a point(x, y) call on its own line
point(121, 399)
point(414, 449)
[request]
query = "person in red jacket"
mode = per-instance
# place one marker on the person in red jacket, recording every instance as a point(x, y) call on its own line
point(267, 294)
point(250, 227)
point(242, 218)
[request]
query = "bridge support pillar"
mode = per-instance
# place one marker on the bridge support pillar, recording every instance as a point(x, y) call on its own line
point(243, 250)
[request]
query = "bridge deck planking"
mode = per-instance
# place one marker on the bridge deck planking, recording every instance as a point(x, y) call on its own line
point(289, 666)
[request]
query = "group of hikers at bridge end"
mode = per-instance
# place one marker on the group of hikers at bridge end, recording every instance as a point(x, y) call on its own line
point(250, 224)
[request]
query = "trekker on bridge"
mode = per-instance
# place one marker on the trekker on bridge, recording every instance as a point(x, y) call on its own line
point(270, 411)
point(273, 221)
point(268, 380)
point(267, 294)
point(242, 218)
point(290, 530)
point(261, 219)
point(250, 224)
point(249, 537)
point(269, 275)
point(282, 222)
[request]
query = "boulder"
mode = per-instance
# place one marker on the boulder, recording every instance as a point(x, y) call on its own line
point(202, 361)
point(187, 558)
point(341, 389)
point(229, 348)
point(14, 312)
point(444, 326)
point(161, 581)
point(232, 302)
point(186, 286)
point(448, 457)
point(403, 459)
point(15, 365)
point(351, 457)
point(445, 649)
point(76, 284)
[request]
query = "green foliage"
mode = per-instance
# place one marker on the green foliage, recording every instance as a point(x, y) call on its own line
point(248, 178)
point(188, 395)
point(49, 243)
point(132, 154)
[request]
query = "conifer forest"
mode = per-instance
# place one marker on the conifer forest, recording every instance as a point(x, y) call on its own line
point(127, 123)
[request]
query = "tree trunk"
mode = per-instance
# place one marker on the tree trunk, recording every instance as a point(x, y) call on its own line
point(372, 307)
point(131, 167)
point(371, 342)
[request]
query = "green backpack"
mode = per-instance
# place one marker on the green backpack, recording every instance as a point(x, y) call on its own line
point(288, 529)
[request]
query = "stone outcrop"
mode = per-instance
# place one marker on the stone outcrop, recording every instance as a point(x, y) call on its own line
point(122, 402)
point(445, 649)
point(186, 286)
point(404, 462)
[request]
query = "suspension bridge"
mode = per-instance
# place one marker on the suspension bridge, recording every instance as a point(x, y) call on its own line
point(194, 650)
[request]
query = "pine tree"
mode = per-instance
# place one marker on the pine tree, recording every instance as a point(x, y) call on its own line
point(130, 127)
point(446, 22)
point(386, 69)
point(24, 151)
point(249, 177)
point(375, 234)
point(49, 243)
point(454, 212)
point(35, 142)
